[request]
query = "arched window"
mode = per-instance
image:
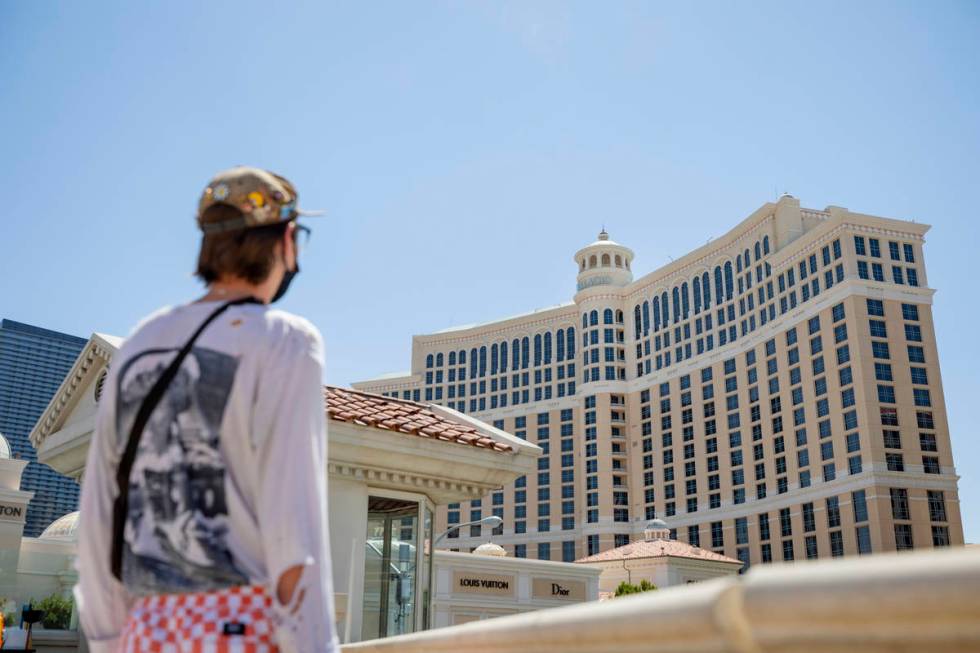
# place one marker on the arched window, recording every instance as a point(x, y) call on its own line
point(592, 261)
point(685, 302)
point(746, 259)
point(765, 244)
point(452, 358)
point(525, 352)
point(537, 349)
point(547, 347)
point(570, 343)
point(462, 357)
point(607, 316)
point(560, 345)
point(503, 356)
point(729, 286)
point(483, 361)
point(428, 361)
point(637, 322)
point(758, 250)
point(583, 264)
point(494, 353)
point(515, 356)
point(473, 363)
point(665, 318)
point(585, 321)
point(439, 359)
point(656, 315)
point(593, 317)
point(738, 263)
point(706, 290)
point(605, 260)
point(619, 316)
point(646, 315)
point(676, 295)
point(697, 295)
point(719, 286)
point(619, 261)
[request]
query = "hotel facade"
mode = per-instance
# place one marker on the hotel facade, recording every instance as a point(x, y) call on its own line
point(774, 395)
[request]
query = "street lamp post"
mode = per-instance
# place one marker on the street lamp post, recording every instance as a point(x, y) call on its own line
point(492, 521)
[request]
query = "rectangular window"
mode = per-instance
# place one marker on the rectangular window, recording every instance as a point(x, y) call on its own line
point(810, 543)
point(900, 503)
point(913, 332)
point(788, 550)
point(860, 505)
point(836, 544)
point(903, 537)
point(717, 535)
point(859, 248)
point(895, 462)
point(886, 394)
point(937, 505)
point(863, 536)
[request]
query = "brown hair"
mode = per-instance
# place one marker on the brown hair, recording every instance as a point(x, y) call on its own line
point(244, 253)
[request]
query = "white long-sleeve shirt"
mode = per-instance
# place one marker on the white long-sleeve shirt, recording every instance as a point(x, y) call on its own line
point(229, 482)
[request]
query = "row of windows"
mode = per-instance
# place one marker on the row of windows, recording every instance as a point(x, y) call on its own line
point(519, 354)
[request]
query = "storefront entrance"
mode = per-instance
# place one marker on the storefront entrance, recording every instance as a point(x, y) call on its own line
point(397, 568)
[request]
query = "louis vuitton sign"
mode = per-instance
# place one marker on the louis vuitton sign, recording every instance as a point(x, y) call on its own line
point(467, 582)
point(11, 513)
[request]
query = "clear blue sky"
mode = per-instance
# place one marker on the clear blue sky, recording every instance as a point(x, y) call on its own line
point(465, 150)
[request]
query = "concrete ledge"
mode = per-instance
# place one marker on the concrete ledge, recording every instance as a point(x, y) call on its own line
point(891, 602)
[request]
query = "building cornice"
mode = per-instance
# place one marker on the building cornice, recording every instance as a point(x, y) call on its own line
point(96, 353)
point(424, 483)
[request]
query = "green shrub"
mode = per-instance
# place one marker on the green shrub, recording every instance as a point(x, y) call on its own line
point(625, 588)
point(57, 612)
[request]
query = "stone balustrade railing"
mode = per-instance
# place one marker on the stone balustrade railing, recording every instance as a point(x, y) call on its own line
point(928, 601)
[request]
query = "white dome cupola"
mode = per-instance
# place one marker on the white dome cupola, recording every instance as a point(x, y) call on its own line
point(604, 263)
point(656, 529)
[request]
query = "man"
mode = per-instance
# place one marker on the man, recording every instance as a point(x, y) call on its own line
point(203, 511)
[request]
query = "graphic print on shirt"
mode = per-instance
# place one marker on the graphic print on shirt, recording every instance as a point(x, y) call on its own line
point(177, 520)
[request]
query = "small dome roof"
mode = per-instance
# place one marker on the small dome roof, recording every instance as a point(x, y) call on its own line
point(657, 525)
point(63, 528)
point(4, 448)
point(490, 549)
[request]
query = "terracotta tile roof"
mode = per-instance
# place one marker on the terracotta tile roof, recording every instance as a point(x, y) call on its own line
point(658, 549)
point(389, 414)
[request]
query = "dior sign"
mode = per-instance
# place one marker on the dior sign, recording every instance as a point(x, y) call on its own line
point(558, 588)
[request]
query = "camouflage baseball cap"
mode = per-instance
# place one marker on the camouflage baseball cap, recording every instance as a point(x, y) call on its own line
point(262, 197)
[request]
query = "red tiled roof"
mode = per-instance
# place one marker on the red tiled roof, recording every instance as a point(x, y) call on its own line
point(389, 414)
point(658, 549)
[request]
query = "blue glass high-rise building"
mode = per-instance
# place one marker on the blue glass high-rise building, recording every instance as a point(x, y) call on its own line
point(33, 363)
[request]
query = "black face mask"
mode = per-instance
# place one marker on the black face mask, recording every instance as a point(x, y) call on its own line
point(287, 278)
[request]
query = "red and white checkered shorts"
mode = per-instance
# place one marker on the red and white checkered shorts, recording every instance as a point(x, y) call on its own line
point(233, 620)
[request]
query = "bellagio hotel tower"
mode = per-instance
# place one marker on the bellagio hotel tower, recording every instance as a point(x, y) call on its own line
point(774, 395)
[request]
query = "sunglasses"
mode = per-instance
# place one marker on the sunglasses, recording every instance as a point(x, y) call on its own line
point(301, 236)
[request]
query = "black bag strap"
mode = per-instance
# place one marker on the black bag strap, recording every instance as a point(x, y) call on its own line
point(121, 504)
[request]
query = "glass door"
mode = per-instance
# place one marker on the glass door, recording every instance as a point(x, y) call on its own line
point(390, 567)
